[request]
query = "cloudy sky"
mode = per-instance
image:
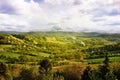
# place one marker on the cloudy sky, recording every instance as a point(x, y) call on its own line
point(65, 15)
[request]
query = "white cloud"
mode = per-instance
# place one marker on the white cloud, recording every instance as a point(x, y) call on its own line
point(75, 15)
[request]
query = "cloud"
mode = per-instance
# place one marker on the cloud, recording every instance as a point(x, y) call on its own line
point(6, 8)
point(39, 1)
point(68, 15)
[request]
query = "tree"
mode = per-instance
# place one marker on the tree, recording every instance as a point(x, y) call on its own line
point(116, 71)
point(3, 72)
point(45, 68)
point(87, 74)
point(30, 74)
point(23, 58)
point(58, 75)
point(3, 68)
point(90, 74)
point(106, 61)
point(104, 70)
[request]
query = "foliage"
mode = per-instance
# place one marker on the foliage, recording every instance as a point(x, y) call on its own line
point(73, 72)
point(4, 75)
point(116, 71)
point(45, 69)
point(30, 74)
point(104, 70)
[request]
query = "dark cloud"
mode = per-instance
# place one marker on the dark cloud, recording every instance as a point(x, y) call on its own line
point(9, 27)
point(77, 2)
point(6, 8)
point(114, 24)
point(27, 1)
point(104, 12)
point(56, 28)
point(5, 25)
point(97, 19)
point(113, 13)
point(38, 1)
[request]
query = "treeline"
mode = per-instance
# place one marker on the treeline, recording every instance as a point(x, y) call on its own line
point(20, 59)
point(98, 52)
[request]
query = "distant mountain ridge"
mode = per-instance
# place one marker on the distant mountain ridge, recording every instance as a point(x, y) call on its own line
point(63, 33)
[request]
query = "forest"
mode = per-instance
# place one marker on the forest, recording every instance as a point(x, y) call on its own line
point(59, 56)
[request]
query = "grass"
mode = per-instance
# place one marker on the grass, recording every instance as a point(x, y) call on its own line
point(43, 54)
point(100, 60)
point(40, 54)
point(5, 46)
point(15, 55)
point(9, 54)
point(115, 59)
point(1, 60)
point(97, 60)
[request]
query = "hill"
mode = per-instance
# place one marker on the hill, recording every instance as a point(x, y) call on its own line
point(63, 45)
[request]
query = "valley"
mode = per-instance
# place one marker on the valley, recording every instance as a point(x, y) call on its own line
point(62, 49)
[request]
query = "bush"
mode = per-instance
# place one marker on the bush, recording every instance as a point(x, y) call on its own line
point(73, 72)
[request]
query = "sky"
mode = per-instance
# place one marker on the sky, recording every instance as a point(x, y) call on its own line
point(60, 15)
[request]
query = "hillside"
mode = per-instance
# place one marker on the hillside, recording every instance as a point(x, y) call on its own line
point(28, 55)
point(63, 45)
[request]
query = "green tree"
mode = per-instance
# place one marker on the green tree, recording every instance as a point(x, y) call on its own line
point(90, 74)
point(104, 70)
point(3, 68)
point(116, 71)
point(4, 75)
point(23, 58)
point(58, 75)
point(87, 74)
point(45, 69)
point(30, 74)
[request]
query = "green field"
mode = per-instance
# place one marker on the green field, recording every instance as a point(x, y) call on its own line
point(100, 60)
point(12, 55)
point(5, 46)
point(40, 54)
